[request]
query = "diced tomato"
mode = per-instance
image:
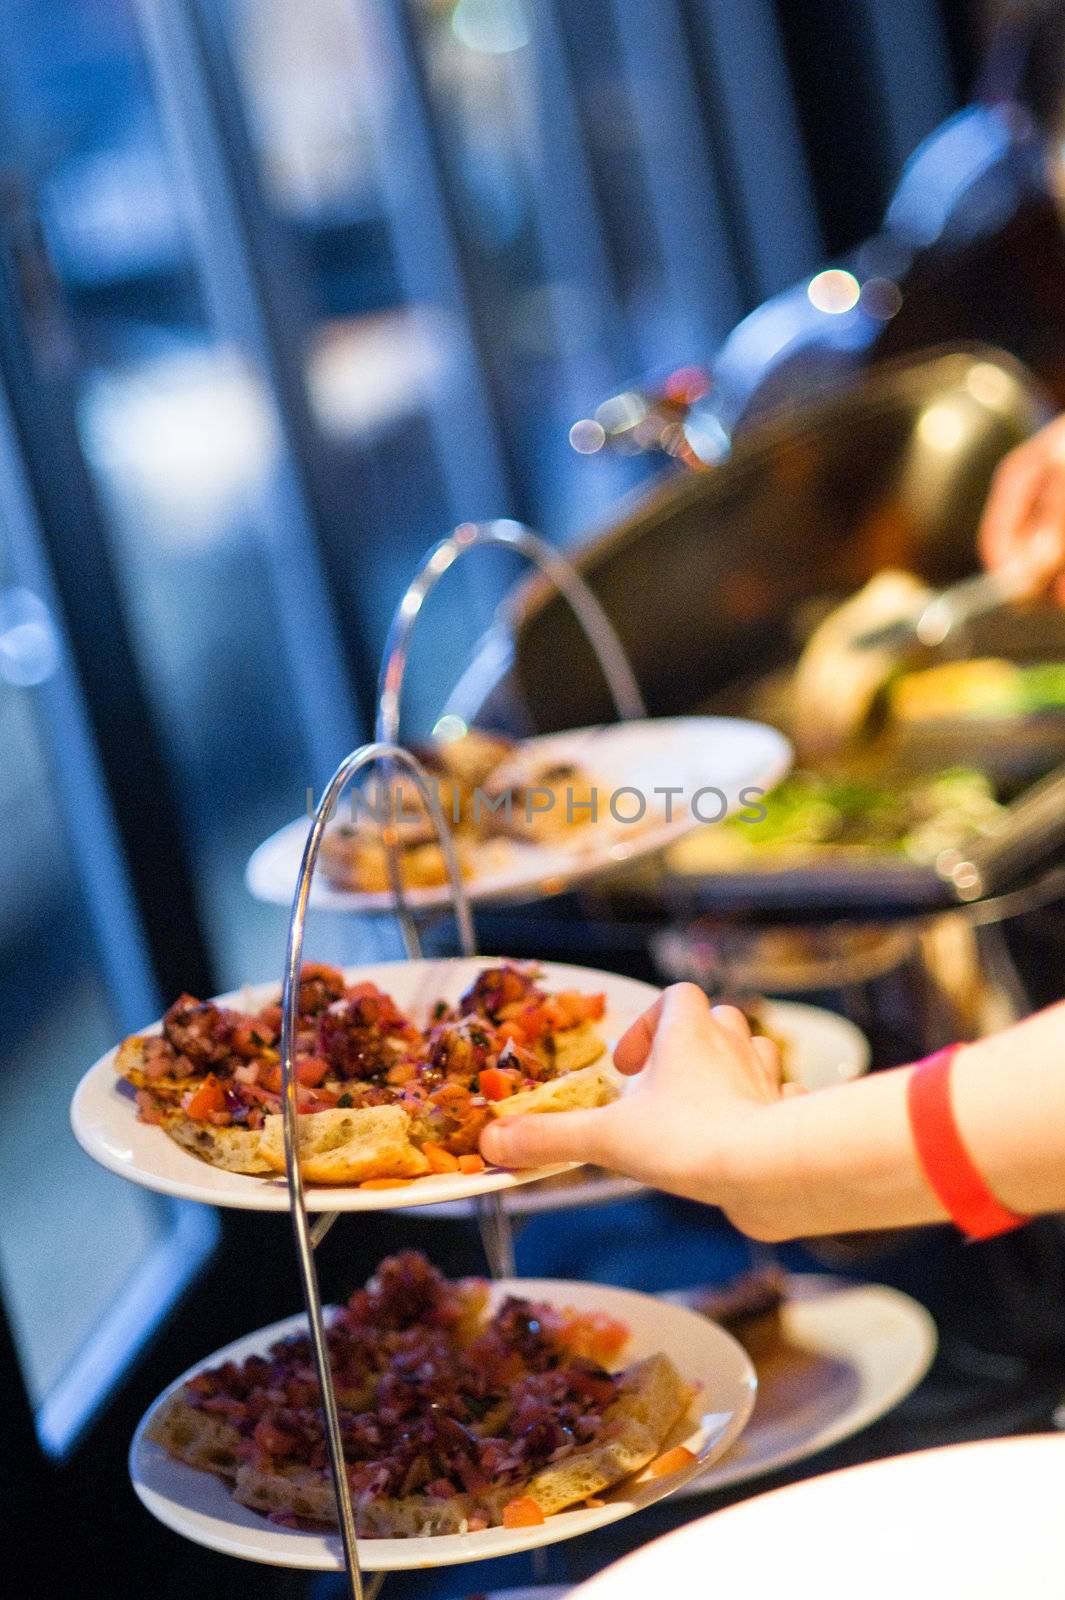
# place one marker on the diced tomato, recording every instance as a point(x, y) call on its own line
point(274, 1440)
point(311, 1070)
point(210, 1096)
point(270, 1077)
point(593, 1336)
point(531, 1025)
point(471, 1163)
point(496, 1083)
point(250, 1036)
point(570, 1008)
point(672, 1461)
point(315, 1099)
point(439, 1159)
point(522, 1513)
point(321, 969)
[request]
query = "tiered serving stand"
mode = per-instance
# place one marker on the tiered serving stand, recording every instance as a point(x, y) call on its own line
point(669, 1326)
point(717, 1431)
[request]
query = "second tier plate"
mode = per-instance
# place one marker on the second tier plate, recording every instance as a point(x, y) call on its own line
point(104, 1113)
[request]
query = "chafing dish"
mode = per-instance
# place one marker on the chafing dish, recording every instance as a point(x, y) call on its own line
point(713, 579)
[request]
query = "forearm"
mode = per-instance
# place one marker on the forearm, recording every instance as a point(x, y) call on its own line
point(843, 1159)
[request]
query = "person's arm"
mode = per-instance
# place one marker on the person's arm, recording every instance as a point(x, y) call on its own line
point(706, 1118)
point(1023, 525)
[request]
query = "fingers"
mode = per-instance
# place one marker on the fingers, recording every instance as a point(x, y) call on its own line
point(538, 1139)
point(1023, 525)
point(634, 1046)
point(682, 1008)
point(769, 1059)
point(732, 1019)
point(1015, 490)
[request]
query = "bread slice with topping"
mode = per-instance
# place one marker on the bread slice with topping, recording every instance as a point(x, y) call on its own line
point(348, 1146)
point(592, 1086)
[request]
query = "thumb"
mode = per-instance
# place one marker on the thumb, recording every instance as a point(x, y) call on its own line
point(542, 1137)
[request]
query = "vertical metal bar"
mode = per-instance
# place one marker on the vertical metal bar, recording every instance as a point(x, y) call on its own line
point(686, 209)
point(349, 767)
point(763, 153)
point(241, 261)
point(497, 1235)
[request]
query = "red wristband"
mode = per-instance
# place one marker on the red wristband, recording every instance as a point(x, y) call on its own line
point(946, 1162)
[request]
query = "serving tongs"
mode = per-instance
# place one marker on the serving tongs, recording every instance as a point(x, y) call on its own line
point(856, 651)
point(941, 614)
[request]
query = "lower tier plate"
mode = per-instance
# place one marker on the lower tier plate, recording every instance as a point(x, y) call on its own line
point(200, 1506)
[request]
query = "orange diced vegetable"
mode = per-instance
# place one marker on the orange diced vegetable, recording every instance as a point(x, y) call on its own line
point(311, 1070)
point(593, 1335)
point(439, 1159)
point(522, 1513)
point(672, 1461)
point(495, 1083)
point(569, 1008)
point(593, 1503)
point(385, 1183)
point(270, 1077)
point(471, 1163)
point(210, 1096)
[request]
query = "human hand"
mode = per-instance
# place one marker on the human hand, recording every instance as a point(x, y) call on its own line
point(1023, 526)
point(687, 1123)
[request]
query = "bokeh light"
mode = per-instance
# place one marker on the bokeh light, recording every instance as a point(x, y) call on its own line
point(834, 291)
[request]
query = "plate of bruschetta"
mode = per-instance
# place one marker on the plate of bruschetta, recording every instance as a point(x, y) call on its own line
point(541, 1410)
point(398, 1067)
point(529, 818)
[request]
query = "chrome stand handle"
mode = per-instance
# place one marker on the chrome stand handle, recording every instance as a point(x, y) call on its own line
point(306, 1236)
point(597, 626)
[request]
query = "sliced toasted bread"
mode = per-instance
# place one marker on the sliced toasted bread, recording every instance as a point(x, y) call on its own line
point(653, 1399)
point(304, 1492)
point(231, 1149)
point(572, 1048)
point(129, 1064)
point(576, 1091)
point(199, 1438)
point(348, 1146)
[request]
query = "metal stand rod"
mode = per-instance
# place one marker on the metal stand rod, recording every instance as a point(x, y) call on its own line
point(497, 1235)
point(492, 1218)
point(597, 627)
point(304, 1235)
point(322, 1227)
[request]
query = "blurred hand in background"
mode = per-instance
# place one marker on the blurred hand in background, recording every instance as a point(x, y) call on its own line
point(1023, 525)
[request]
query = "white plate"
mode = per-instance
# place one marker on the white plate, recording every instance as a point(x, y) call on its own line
point(201, 1507)
point(850, 1353)
point(824, 1049)
point(689, 753)
point(104, 1116)
point(981, 1520)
